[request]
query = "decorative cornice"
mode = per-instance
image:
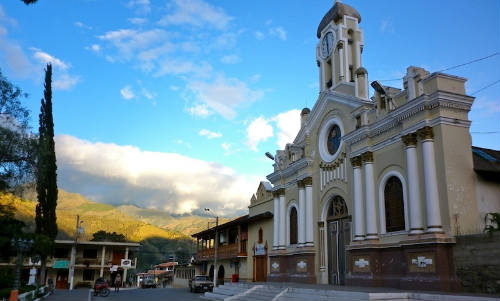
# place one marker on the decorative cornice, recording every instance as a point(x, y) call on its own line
point(441, 99)
point(410, 139)
point(425, 133)
point(356, 161)
point(289, 170)
point(280, 191)
point(367, 157)
point(308, 181)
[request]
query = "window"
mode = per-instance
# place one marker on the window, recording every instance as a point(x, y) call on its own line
point(61, 253)
point(260, 236)
point(338, 208)
point(90, 253)
point(293, 226)
point(394, 206)
point(88, 275)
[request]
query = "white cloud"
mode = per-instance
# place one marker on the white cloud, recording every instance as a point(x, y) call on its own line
point(223, 95)
point(196, 13)
point(199, 110)
point(138, 21)
point(209, 134)
point(148, 94)
point(82, 25)
point(45, 58)
point(65, 81)
point(255, 78)
point(288, 124)
point(172, 182)
point(180, 67)
point(278, 32)
point(129, 41)
point(127, 93)
point(140, 6)
point(259, 130)
point(94, 47)
point(386, 26)
point(258, 35)
point(228, 148)
point(230, 59)
point(174, 88)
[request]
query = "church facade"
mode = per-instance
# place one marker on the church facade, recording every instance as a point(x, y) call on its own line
point(373, 191)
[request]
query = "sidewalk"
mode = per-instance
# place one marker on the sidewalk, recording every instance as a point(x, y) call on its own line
point(365, 289)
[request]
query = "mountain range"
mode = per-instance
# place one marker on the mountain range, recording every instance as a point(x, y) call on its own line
point(134, 222)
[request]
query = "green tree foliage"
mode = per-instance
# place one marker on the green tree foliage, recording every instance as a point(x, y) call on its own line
point(17, 144)
point(156, 250)
point(11, 228)
point(102, 235)
point(46, 165)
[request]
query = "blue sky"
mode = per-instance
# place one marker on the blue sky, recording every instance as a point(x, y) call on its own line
point(172, 104)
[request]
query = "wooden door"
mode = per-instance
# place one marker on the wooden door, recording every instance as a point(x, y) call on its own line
point(62, 279)
point(118, 255)
point(260, 271)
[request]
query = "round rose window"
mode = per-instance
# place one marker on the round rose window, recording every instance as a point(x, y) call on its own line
point(333, 141)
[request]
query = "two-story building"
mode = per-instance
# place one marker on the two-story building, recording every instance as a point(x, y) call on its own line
point(93, 259)
point(241, 246)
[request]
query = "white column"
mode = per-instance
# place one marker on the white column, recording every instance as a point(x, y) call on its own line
point(103, 256)
point(124, 279)
point(309, 212)
point(302, 214)
point(433, 210)
point(282, 219)
point(359, 206)
point(371, 208)
point(416, 218)
point(341, 62)
point(276, 221)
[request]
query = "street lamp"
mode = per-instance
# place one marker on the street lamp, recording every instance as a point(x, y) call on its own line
point(215, 247)
point(21, 245)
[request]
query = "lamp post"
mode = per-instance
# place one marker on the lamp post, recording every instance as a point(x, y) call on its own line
point(215, 247)
point(21, 245)
point(78, 230)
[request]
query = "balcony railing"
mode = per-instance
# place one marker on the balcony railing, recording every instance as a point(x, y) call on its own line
point(223, 252)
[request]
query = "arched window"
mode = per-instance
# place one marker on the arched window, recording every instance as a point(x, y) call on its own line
point(293, 226)
point(337, 208)
point(394, 205)
point(260, 236)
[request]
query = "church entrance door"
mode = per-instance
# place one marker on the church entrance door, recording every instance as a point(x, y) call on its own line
point(339, 237)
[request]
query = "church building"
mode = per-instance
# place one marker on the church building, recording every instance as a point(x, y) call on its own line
point(373, 191)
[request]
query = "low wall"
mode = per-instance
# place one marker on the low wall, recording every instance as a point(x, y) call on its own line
point(477, 262)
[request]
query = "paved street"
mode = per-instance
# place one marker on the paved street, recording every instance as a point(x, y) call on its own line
point(158, 294)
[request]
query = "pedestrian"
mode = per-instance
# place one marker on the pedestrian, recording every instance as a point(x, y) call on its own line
point(118, 280)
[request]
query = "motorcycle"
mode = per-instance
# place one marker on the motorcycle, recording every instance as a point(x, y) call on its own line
point(101, 287)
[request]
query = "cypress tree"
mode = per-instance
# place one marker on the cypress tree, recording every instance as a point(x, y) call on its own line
point(46, 165)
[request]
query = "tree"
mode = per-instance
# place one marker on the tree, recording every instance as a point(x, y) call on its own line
point(46, 172)
point(17, 144)
point(102, 235)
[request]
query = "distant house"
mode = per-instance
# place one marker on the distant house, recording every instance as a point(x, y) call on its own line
point(92, 259)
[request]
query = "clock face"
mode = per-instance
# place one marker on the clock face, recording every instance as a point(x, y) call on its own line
point(333, 139)
point(327, 44)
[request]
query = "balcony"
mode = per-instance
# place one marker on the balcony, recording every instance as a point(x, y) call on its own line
point(223, 252)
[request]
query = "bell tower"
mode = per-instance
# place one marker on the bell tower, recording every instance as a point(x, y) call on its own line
point(338, 52)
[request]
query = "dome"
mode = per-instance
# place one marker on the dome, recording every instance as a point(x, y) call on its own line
point(305, 111)
point(337, 12)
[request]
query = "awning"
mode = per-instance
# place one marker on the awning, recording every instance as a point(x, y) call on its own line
point(60, 264)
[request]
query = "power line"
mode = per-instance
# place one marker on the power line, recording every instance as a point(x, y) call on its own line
point(485, 87)
point(484, 133)
point(449, 68)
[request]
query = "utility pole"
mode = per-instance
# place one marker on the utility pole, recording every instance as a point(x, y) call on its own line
point(73, 254)
point(215, 250)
